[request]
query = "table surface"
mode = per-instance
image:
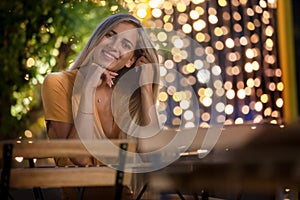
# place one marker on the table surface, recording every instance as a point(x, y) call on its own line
point(244, 158)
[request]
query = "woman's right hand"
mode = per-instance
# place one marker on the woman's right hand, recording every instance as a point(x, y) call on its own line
point(108, 77)
point(93, 76)
point(96, 74)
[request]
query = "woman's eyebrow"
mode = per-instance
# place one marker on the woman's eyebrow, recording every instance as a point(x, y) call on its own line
point(114, 32)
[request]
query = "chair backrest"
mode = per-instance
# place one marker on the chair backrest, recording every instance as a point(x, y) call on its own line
point(52, 176)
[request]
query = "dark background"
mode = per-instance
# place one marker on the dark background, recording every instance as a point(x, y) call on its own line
point(296, 18)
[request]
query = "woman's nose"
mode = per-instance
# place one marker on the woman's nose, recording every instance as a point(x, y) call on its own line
point(115, 44)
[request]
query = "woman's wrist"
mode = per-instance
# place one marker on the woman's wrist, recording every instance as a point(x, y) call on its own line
point(86, 112)
point(147, 89)
point(86, 105)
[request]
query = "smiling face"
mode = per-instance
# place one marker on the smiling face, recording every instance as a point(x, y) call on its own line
point(116, 48)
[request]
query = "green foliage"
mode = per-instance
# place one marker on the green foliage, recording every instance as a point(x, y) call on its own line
point(38, 37)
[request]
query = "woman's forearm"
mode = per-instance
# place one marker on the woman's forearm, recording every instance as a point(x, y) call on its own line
point(148, 105)
point(79, 160)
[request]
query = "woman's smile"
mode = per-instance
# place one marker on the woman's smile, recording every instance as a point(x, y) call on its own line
point(109, 55)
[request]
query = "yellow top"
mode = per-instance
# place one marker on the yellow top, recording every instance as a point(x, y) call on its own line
point(57, 96)
point(57, 91)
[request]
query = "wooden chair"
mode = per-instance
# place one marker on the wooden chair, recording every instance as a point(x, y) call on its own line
point(37, 177)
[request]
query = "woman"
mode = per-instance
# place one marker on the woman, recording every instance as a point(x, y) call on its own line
point(118, 45)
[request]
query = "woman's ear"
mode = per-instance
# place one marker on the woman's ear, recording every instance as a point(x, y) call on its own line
point(130, 62)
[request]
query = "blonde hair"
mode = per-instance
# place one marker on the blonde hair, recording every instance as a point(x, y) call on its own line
point(144, 47)
point(105, 27)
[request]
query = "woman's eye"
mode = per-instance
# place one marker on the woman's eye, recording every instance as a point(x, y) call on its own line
point(126, 45)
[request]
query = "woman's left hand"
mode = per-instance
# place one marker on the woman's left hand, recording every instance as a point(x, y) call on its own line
point(147, 72)
point(146, 81)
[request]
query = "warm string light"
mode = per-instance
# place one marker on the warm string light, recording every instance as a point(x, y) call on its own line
point(238, 42)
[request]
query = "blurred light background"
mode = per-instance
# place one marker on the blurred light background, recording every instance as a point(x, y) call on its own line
point(239, 58)
point(238, 41)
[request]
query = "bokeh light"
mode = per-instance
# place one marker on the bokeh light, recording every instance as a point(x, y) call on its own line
point(236, 40)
